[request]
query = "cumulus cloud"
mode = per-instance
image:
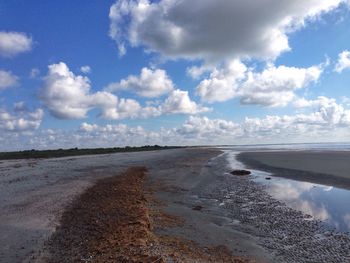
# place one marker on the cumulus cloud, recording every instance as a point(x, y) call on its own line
point(345, 100)
point(327, 109)
point(114, 135)
point(85, 69)
point(343, 61)
point(7, 80)
point(328, 120)
point(318, 102)
point(14, 43)
point(21, 121)
point(223, 83)
point(68, 96)
point(195, 72)
point(87, 135)
point(210, 130)
point(212, 30)
point(150, 83)
point(273, 86)
point(195, 129)
point(326, 117)
point(180, 102)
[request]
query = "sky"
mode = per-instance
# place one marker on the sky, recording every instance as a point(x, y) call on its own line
point(173, 72)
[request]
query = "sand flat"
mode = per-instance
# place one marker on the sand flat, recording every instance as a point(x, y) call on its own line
point(328, 162)
point(35, 193)
point(323, 167)
point(236, 214)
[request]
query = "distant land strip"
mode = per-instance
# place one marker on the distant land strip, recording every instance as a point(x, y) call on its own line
point(28, 154)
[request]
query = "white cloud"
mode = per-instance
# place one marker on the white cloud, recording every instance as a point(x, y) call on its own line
point(195, 72)
point(115, 135)
point(129, 108)
point(327, 117)
point(327, 109)
point(87, 135)
point(212, 30)
point(345, 100)
point(223, 83)
point(329, 120)
point(150, 83)
point(204, 130)
point(20, 106)
point(68, 96)
point(85, 69)
point(86, 127)
point(179, 102)
point(7, 80)
point(34, 73)
point(318, 102)
point(21, 121)
point(343, 61)
point(273, 86)
point(14, 43)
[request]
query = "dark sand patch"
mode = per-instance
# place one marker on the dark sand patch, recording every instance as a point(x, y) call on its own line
point(113, 221)
point(109, 222)
point(326, 167)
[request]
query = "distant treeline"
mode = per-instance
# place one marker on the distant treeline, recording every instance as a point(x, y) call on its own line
point(75, 151)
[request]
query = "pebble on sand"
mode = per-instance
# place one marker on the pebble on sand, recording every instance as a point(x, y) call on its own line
point(240, 172)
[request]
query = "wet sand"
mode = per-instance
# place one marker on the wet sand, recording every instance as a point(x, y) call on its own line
point(187, 199)
point(321, 167)
point(35, 194)
point(115, 221)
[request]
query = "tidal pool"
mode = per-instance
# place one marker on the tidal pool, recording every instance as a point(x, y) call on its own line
point(326, 203)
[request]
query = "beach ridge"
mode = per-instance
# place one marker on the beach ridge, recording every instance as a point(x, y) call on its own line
point(113, 221)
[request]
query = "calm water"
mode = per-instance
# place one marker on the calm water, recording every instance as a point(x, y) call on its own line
point(294, 147)
point(326, 203)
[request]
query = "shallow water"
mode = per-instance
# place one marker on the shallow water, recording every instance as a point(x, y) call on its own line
point(293, 147)
point(328, 204)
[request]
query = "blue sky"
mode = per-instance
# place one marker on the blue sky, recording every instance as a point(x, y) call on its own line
point(267, 72)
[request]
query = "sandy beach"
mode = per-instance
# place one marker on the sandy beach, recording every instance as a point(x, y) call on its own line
point(36, 193)
point(322, 167)
point(179, 205)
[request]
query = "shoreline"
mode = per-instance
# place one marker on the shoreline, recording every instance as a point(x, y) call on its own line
point(76, 152)
point(299, 169)
point(192, 202)
point(288, 234)
point(36, 194)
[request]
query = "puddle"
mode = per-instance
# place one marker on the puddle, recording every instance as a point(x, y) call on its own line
point(328, 204)
point(325, 203)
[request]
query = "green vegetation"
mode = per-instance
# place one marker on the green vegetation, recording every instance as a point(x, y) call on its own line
point(75, 151)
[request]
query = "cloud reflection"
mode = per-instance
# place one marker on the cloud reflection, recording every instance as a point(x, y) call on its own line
point(293, 193)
